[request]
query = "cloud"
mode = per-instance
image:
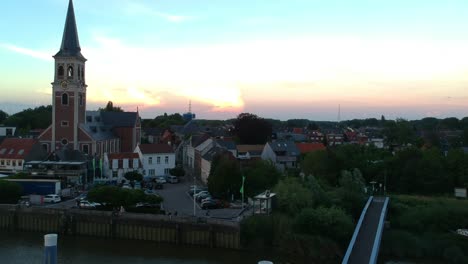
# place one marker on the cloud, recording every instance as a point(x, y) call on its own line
point(140, 9)
point(25, 51)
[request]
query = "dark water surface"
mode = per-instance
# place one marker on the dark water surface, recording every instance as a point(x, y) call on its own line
point(28, 248)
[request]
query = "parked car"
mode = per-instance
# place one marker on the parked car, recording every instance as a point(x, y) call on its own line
point(200, 193)
point(126, 186)
point(160, 179)
point(137, 185)
point(201, 197)
point(172, 179)
point(88, 205)
point(197, 190)
point(150, 192)
point(210, 205)
point(52, 198)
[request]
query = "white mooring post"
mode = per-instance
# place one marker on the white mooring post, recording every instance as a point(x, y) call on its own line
point(50, 249)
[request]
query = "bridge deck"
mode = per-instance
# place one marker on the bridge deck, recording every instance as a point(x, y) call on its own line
point(362, 250)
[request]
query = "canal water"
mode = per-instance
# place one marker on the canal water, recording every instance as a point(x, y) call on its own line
point(21, 248)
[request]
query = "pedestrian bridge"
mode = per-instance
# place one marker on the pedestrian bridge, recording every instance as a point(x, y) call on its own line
point(365, 243)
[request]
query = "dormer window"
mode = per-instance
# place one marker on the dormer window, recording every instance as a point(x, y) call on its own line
point(60, 72)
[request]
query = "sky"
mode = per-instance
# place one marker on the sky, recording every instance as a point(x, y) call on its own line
point(279, 59)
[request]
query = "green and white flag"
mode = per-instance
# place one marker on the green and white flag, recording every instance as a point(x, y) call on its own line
point(242, 187)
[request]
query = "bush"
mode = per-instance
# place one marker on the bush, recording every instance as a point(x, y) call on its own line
point(332, 222)
point(10, 192)
point(177, 171)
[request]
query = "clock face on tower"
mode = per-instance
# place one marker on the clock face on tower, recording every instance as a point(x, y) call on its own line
point(64, 84)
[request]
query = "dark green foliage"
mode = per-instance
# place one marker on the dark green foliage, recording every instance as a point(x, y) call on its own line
point(331, 222)
point(260, 177)
point(3, 116)
point(116, 196)
point(133, 176)
point(293, 197)
point(39, 117)
point(111, 108)
point(422, 228)
point(258, 231)
point(164, 121)
point(321, 164)
point(177, 171)
point(225, 178)
point(251, 129)
point(399, 132)
point(10, 192)
point(19, 175)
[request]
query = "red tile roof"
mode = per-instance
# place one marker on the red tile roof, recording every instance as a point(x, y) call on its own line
point(16, 148)
point(298, 130)
point(309, 147)
point(155, 148)
point(123, 155)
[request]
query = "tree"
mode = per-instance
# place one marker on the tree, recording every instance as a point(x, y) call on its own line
point(321, 164)
point(260, 177)
point(225, 178)
point(111, 108)
point(250, 129)
point(331, 222)
point(133, 176)
point(293, 196)
point(3, 116)
point(115, 196)
point(177, 171)
point(10, 192)
point(39, 117)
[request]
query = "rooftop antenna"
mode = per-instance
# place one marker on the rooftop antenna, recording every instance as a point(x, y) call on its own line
point(190, 106)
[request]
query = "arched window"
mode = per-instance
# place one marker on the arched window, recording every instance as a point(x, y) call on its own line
point(79, 72)
point(82, 73)
point(70, 72)
point(64, 99)
point(60, 72)
point(80, 98)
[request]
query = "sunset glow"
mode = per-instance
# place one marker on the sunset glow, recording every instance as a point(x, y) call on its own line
point(306, 67)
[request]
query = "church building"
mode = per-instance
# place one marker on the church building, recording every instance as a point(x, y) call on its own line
point(91, 132)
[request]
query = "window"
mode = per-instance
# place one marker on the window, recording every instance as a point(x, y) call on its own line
point(89, 118)
point(79, 73)
point(150, 160)
point(70, 72)
point(45, 147)
point(2, 162)
point(166, 171)
point(80, 98)
point(64, 99)
point(114, 174)
point(64, 123)
point(8, 162)
point(60, 72)
point(86, 149)
point(20, 163)
point(166, 159)
point(9, 132)
point(13, 163)
point(151, 172)
point(158, 160)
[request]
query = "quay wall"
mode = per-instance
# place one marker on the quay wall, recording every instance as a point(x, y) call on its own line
point(158, 228)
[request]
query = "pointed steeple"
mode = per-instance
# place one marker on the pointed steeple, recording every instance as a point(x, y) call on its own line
point(70, 43)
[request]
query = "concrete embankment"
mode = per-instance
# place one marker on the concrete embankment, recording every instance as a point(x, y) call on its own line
point(158, 228)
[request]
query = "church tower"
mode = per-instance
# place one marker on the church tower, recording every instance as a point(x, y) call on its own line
point(68, 88)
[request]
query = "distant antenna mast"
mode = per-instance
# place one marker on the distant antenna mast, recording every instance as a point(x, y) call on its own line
point(339, 113)
point(190, 106)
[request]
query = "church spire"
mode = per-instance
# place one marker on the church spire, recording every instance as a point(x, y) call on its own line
point(70, 43)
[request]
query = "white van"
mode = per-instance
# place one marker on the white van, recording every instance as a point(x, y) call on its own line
point(52, 198)
point(172, 179)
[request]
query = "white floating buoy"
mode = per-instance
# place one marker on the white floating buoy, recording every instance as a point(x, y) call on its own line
point(265, 262)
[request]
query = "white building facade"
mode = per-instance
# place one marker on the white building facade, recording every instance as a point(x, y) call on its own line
point(157, 159)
